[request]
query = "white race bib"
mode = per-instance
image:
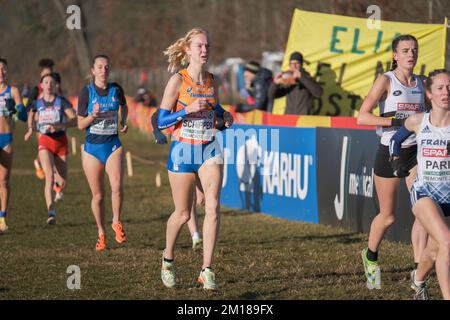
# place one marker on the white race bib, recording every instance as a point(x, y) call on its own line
point(46, 118)
point(105, 124)
point(198, 126)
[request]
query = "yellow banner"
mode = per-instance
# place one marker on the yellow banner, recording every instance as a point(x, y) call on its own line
point(346, 56)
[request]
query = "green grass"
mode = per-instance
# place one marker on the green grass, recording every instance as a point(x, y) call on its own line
point(258, 256)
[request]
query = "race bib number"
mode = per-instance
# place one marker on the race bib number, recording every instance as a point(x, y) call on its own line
point(4, 111)
point(404, 110)
point(198, 126)
point(105, 124)
point(46, 118)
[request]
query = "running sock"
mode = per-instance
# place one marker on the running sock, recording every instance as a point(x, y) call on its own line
point(196, 236)
point(2, 214)
point(417, 282)
point(372, 256)
point(206, 268)
point(168, 260)
point(51, 213)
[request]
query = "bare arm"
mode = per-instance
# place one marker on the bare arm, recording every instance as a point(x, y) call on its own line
point(378, 92)
point(171, 92)
point(84, 122)
point(16, 95)
point(71, 118)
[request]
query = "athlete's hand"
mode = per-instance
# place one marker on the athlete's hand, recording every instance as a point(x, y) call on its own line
point(228, 118)
point(51, 129)
point(28, 134)
point(400, 170)
point(198, 105)
point(95, 111)
point(160, 138)
point(124, 128)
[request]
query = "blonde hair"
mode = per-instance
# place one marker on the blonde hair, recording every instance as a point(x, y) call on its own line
point(177, 56)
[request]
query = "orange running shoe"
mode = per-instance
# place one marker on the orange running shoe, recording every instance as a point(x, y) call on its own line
point(120, 234)
point(39, 171)
point(101, 243)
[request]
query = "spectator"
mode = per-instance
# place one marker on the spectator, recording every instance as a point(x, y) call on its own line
point(297, 85)
point(145, 97)
point(257, 82)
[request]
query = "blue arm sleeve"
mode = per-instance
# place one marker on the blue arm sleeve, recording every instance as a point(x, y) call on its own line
point(21, 112)
point(167, 119)
point(395, 145)
point(219, 110)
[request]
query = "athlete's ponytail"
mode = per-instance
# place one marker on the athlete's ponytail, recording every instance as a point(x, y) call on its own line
point(177, 56)
point(395, 42)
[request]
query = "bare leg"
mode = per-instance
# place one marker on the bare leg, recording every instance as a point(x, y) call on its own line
point(387, 197)
point(6, 157)
point(114, 168)
point(210, 175)
point(419, 235)
point(182, 185)
point(438, 227)
point(94, 171)
point(47, 161)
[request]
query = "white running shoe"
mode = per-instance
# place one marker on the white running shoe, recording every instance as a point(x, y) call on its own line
point(59, 196)
point(208, 279)
point(421, 292)
point(168, 273)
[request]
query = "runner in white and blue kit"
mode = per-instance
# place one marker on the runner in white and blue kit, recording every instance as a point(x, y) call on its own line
point(99, 105)
point(430, 192)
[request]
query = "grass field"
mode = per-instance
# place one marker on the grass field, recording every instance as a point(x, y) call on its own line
point(258, 256)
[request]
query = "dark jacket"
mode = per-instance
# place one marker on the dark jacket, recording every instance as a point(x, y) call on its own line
point(258, 91)
point(298, 96)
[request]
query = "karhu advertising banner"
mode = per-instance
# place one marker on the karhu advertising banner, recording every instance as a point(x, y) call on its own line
point(346, 54)
point(270, 170)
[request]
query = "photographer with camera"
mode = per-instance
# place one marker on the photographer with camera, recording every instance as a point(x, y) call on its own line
point(297, 85)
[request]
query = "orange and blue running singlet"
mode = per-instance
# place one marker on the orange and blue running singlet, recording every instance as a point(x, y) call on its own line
point(197, 127)
point(194, 136)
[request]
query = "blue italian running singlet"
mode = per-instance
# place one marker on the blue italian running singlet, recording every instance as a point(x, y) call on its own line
point(102, 135)
point(7, 105)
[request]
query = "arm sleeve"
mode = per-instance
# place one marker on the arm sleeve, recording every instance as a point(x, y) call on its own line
point(83, 101)
point(154, 120)
point(395, 145)
point(167, 119)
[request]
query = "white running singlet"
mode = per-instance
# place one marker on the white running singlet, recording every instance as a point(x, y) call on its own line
point(433, 161)
point(401, 103)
